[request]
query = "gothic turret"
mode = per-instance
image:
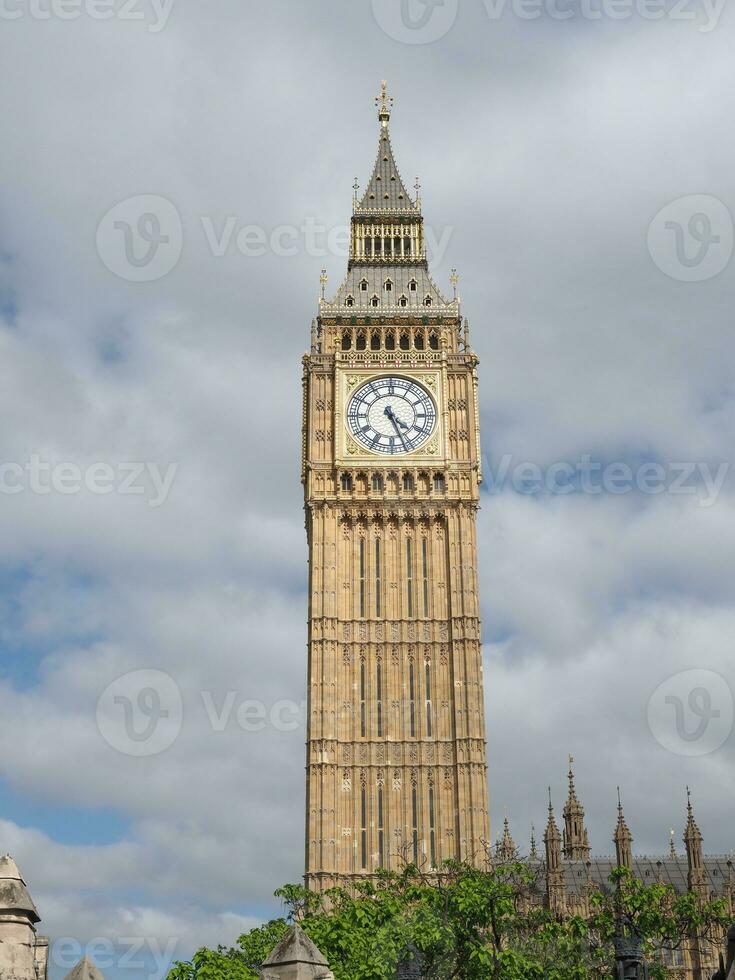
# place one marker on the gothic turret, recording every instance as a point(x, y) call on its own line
point(554, 870)
point(85, 970)
point(23, 954)
point(623, 839)
point(576, 841)
point(697, 876)
point(506, 850)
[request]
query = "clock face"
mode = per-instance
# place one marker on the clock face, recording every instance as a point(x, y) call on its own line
point(391, 415)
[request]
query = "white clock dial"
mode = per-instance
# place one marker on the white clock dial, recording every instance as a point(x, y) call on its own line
point(391, 415)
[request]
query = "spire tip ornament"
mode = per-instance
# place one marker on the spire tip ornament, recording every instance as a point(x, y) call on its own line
point(384, 103)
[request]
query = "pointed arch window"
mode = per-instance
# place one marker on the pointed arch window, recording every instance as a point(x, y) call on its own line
point(375, 340)
point(361, 341)
point(434, 340)
point(390, 340)
point(347, 340)
point(405, 341)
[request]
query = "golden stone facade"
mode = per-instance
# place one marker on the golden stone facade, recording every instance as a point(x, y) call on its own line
point(396, 758)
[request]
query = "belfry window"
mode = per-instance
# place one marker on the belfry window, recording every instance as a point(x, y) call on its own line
point(375, 340)
point(418, 341)
point(432, 828)
point(425, 576)
point(405, 342)
point(415, 823)
point(363, 708)
point(434, 340)
point(378, 578)
point(428, 701)
point(379, 700)
point(363, 827)
point(362, 578)
point(361, 341)
point(409, 583)
point(346, 340)
point(411, 703)
point(390, 340)
point(381, 836)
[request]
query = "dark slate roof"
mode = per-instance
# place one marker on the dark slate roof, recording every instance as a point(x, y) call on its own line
point(400, 275)
point(668, 870)
point(385, 190)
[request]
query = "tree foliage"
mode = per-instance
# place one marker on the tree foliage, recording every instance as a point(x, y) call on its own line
point(469, 924)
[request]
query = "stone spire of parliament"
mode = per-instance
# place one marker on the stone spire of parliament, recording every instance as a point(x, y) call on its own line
point(396, 763)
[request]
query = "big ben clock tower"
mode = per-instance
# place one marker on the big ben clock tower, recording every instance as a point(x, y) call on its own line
point(396, 766)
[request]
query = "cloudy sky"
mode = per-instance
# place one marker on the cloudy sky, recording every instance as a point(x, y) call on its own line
point(174, 177)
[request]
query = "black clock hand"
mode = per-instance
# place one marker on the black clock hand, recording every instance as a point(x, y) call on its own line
point(394, 418)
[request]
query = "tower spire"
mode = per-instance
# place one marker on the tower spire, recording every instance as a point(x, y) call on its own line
point(697, 876)
point(576, 841)
point(554, 870)
point(623, 839)
point(506, 850)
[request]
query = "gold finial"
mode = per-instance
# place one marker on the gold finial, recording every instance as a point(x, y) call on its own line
point(384, 102)
point(323, 280)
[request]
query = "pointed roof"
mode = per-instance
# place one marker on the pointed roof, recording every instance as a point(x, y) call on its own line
point(14, 895)
point(506, 849)
point(296, 947)
point(552, 831)
point(385, 190)
point(85, 970)
point(622, 831)
point(692, 833)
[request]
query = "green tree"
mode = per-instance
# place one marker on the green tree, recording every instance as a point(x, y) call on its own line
point(469, 924)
